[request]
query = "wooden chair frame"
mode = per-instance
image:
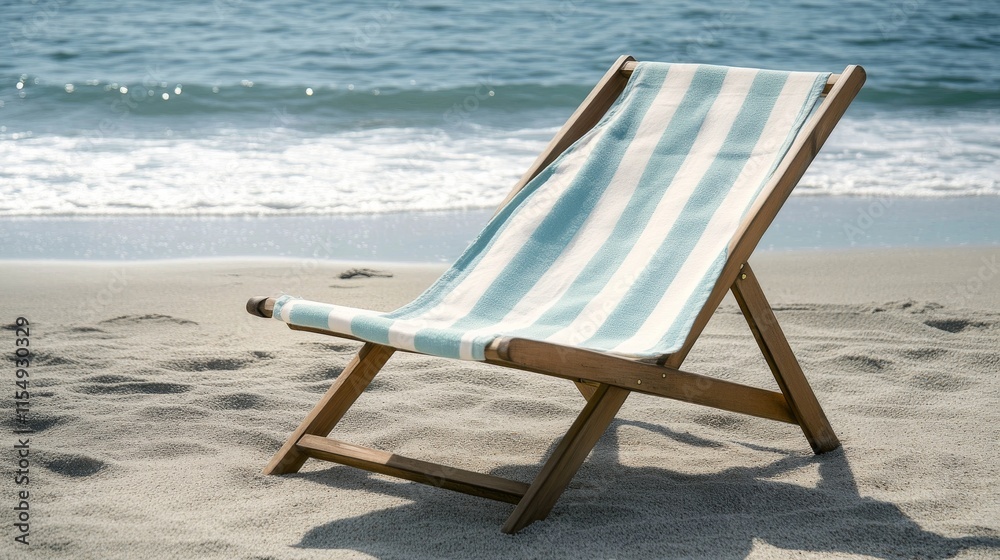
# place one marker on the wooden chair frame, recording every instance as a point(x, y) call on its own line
point(604, 380)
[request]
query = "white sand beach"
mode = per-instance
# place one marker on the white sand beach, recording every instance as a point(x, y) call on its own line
point(156, 400)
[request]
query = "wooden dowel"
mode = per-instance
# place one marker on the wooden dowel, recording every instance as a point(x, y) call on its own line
point(629, 67)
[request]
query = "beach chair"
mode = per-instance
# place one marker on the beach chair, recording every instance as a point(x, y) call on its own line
point(603, 266)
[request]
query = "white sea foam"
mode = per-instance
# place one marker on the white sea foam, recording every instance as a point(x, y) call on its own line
point(914, 157)
point(278, 172)
point(267, 173)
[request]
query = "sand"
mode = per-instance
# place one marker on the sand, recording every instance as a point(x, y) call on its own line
point(156, 400)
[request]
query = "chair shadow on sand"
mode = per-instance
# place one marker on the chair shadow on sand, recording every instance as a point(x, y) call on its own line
point(719, 514)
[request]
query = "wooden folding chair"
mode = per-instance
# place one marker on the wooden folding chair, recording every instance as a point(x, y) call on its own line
point(604, 378)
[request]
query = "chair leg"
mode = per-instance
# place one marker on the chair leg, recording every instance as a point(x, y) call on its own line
point(331, 408)
point(782, 362)
point(567, 458)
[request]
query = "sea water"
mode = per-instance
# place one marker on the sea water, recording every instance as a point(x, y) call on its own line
point(230, 109)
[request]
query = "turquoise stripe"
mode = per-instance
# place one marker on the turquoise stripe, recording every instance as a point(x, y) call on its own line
point(654, 280)
point(668, 156)
point(313, 315)
point(447, 343)
point(278, 304)
point(438, 342)
point(373, 328)
point(562, 223)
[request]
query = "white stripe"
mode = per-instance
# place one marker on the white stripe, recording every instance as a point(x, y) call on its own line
point(465, 344)
point(724, 222)
point(286, 309)
point(710, 139)
point(339, 319)
point(402, 333)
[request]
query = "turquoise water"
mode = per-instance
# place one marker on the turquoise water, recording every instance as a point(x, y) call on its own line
point(918, 52)
point(237, 108)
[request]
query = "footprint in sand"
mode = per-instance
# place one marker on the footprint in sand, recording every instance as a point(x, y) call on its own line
point(134, 387)
point(320, 373)
point(924, 353)
point(940, 381)
point(37, 422)
point(186, 412)
point(720, 421)
point(151, 318)
point(43, 358)
point(866, 364)
point(955, 326)
point(331, 346)
point(71, 464)
point(241, 401)
point(207, 364)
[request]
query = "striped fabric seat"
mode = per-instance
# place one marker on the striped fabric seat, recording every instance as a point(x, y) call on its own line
point(616, 245)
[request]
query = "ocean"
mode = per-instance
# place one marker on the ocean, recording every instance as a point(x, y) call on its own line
point(181, 113)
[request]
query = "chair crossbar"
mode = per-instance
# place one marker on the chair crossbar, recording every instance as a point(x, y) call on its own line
point(628, 67)
point(433, 474)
